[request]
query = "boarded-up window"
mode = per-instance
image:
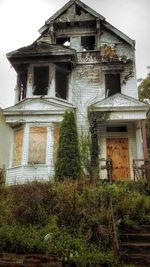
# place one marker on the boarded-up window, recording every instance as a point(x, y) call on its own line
point(56, 137)
point(17, 147)
point(112, 84)
point(37, 145)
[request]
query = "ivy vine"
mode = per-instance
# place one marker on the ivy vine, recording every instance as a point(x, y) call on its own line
point(96, 118)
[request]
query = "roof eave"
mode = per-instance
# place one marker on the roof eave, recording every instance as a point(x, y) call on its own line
point(119, 33)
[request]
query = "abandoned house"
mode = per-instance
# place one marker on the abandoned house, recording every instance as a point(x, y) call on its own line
point(79, 63)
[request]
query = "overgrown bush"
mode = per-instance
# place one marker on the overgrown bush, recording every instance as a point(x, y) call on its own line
point(32, 203)
point(71, 219)
point(5, 206)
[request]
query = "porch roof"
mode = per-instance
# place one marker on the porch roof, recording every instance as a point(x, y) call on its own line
point(119, 102)
point(121, 108)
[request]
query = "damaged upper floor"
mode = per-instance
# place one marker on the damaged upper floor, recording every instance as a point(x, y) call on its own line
point(73, 37)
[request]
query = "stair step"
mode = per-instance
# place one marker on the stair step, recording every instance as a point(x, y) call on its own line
point(10, 264)
point(132, 248)
point(144, 228)
point(139, 259)
point(137, 237)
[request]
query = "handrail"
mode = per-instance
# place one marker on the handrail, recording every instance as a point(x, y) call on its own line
point(141, 169)
point(108, 167)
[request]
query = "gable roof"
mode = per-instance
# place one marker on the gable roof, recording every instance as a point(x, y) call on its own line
point(92, 12)
point(64, 8)
point(119, 102)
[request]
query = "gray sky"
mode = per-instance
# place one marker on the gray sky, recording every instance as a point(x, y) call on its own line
point(21, 19)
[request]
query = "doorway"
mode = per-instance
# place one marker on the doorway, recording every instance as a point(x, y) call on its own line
point(118, 152)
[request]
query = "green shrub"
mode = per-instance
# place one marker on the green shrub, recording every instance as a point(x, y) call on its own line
point(76, 250)
point(68, 162)
point(21, 239)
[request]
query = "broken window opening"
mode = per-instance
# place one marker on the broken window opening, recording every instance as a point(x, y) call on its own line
point(112, 84)
point(62, 82)
point(41, 80)
point(116, 129)
point(88, 42)
point(63, 41)
point(79, 10)
point(22, 84)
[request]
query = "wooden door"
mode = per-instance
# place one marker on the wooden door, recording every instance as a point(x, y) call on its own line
point(118, 151)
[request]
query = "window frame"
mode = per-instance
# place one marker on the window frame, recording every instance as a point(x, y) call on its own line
point(33, 80)
point(116, 90)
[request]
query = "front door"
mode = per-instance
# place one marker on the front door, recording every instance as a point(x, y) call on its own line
point(118, 152)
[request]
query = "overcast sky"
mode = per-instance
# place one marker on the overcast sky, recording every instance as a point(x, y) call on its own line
point(20, 21)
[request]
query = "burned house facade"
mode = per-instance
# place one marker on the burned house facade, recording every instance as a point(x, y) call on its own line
point(79, 63)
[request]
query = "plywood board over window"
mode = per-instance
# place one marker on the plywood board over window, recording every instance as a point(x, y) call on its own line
point(56, 138)
point(17, 147)
point(37, 145)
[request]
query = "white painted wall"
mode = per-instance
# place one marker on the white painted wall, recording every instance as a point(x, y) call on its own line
point(5, 141)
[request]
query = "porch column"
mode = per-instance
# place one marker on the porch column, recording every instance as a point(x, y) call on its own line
point(16, 94)
point(143, 129)
point(51, 89)
point(29, 83)
point(139, 142)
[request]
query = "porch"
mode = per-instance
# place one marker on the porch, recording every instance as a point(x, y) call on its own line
point(122, 137)
point(140, 167)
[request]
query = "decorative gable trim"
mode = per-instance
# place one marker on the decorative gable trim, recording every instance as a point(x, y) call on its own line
point(36, 106)
point(119, 102)
point(119, 33)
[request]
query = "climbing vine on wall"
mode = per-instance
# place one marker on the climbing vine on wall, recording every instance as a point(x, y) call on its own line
point(95, 120)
